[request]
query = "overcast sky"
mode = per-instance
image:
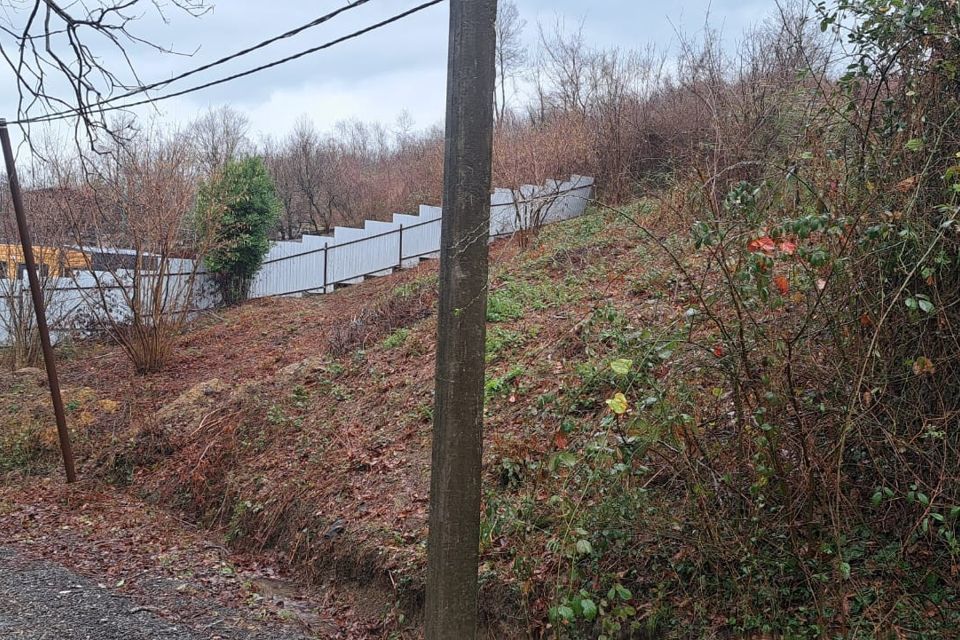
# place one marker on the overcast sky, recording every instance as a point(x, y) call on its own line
point(401, 67)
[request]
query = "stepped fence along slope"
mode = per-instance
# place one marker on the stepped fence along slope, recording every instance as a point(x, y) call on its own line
point(315, 264)
point(81, 302)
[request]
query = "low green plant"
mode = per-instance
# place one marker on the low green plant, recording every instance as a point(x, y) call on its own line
point(502, 307)
point(396, 339)
point(501, 384)
point(499, 340)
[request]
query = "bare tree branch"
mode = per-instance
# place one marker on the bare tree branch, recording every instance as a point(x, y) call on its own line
point(59, 53)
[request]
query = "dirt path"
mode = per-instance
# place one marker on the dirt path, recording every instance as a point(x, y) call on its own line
point(86, 561)
point(40, 600)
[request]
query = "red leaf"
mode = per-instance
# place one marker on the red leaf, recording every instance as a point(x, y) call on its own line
point(788, 247)
point(907, 184)
point(783, 285)
point(560, 440)
point(764, 244)
point(718, 351)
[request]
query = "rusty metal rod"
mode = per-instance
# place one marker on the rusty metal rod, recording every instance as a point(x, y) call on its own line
point(37, 294)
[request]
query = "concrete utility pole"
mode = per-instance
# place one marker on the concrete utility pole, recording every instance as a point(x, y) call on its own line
point(36, 293)
point(454, 540)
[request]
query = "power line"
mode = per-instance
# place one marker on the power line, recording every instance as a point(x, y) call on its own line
point(106, 105)
point(260, 45)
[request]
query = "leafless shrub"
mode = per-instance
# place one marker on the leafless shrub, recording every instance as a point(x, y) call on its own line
point(535, 155)
point(55, 260)
point(143, 250)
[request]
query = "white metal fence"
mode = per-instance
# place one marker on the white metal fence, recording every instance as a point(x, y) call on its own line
point(87, 302)
point(315, 264)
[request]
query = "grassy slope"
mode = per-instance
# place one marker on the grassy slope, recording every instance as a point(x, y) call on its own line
point(303, 427)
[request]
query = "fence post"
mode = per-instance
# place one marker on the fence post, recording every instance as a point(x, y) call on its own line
point(400, 261)
point(325, 246)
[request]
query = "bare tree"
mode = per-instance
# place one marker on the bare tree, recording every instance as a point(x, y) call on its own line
point(315, 182)
point(621, 151)
point(310, 159)
point(535, 156)
point(281, 169)
point(562, 70)
point(218, 136)
point(403, 131)
point(511, 53)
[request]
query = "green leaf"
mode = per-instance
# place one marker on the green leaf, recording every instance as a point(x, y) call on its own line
point(565, 612)
point(584, 547)
point(621, 366)
point(914, 144)
point(618, 404)
point(845, 570)
point(562, 459)
point(589, 609)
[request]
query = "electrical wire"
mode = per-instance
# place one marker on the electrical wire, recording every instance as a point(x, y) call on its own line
point(260, 45)
point(107, 105)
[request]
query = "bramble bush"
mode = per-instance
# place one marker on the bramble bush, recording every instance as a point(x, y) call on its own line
point(828, 460)
point(801, 478)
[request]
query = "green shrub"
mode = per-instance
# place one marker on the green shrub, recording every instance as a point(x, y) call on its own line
point(241, 203)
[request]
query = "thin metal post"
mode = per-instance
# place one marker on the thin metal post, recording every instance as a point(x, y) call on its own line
point(400, 261)
point(325, 261)
point(37, 294)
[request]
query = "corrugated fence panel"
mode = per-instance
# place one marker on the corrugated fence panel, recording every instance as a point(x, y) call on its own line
point(347, 260)
point(503, 212)
point(384, 245)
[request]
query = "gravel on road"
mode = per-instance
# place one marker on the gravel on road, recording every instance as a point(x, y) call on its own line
point(40, 600)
